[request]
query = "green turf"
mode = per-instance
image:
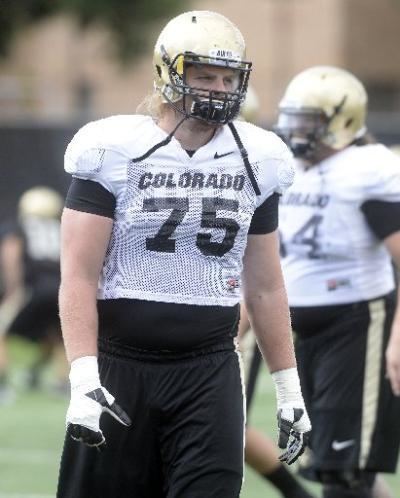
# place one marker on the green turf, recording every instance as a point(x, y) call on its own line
point(32, 430)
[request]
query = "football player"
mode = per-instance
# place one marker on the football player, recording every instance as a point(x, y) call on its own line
point(340, 228)
point(169, 215)
point(30, 269)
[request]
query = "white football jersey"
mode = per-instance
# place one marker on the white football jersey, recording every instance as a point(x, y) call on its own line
point(181, 222)
point(329, 253)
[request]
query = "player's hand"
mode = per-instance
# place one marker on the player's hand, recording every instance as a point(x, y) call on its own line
point(393, 359)
point(293, 421)
point(89, 399)
point(293, 425)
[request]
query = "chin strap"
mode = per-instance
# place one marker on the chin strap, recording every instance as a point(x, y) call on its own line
point(245, 157)
point(164, 142)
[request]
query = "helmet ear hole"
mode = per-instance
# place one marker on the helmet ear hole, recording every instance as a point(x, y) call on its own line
point(158, 69)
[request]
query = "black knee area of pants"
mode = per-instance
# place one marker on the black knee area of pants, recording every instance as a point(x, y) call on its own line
point(347, 484)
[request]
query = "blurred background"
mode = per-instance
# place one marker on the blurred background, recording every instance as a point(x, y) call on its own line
point(66, 62)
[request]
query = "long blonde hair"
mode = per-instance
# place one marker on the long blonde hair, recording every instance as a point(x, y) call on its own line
point(152, 105)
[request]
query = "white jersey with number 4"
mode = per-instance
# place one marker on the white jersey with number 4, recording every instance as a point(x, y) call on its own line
point(181, 222)
point(329, 253)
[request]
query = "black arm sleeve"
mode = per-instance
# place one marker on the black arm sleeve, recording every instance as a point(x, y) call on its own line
point(90, 197)
point(382, 217)
point(265, 217)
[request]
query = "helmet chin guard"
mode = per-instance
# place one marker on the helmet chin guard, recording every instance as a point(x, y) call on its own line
point(214, 111)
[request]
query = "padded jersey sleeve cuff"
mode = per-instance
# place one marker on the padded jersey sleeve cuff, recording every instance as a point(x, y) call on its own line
point(265, 217)
point(90, 197)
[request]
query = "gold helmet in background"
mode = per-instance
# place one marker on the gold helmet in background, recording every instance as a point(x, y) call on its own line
point(395, 148)
point(250, 109)
point(323, 104)
point(40, 202)
point(201, 38)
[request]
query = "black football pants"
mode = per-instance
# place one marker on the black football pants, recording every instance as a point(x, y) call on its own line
point(186, 438)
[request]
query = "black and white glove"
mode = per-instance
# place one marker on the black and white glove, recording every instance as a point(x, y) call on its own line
point(293, 421)
point(89, 399)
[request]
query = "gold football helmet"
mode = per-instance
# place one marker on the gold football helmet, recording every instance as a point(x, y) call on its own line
point(40, 202)
point(323, 104)
point(200, 38)
point(250, 109)
point(395, 148)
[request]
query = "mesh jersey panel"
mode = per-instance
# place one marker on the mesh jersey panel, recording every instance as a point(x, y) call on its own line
point(181, 243)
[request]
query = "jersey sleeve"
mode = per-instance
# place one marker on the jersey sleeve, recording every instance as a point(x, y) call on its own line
point(285, 172)
point(90, 197)
point(276, 170)
point(381, 193)
point(89, 156)
point(265, 217)
point(383, 177)
point(382, 217)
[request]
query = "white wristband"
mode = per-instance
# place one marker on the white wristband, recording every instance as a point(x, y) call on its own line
point(287, 386)
point(84, 371)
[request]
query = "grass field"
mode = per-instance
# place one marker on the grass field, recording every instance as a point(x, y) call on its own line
point(32, 430)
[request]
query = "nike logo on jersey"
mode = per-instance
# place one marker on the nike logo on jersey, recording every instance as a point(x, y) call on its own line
point(218, 156)
point(342, 445)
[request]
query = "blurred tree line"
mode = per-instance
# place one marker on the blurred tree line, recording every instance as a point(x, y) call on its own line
point(127, 20)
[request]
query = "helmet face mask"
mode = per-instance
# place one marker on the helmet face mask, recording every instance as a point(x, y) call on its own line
point(211, 42)
point(212, 106)
point(302, 131)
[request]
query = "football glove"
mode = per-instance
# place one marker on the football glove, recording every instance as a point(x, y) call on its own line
point(293, 421)
point(89, 399)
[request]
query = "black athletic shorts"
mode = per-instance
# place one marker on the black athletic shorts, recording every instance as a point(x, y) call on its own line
point(39, 317)
point(186, 438)
point(341, 358)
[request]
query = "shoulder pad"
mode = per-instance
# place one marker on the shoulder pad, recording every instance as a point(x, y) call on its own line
point(86, 151)
point(267, 149)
